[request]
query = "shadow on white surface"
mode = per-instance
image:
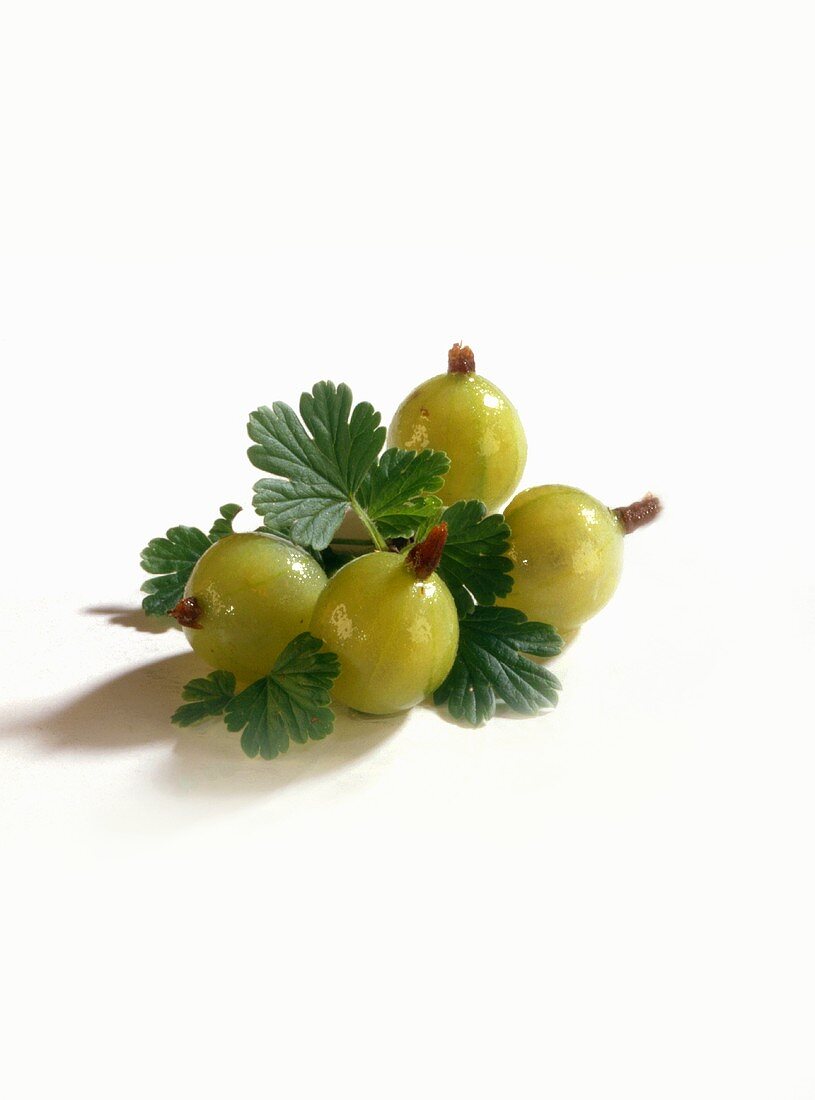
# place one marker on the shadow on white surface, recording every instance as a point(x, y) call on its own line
point(502, 712)
point(134, 709)
point(131, 709)
point(134, 618)
point(210, 762)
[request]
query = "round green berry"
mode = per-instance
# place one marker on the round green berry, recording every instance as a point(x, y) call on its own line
point(251, 594)
point(394, 630)
point(567, 553)
point(468, 417)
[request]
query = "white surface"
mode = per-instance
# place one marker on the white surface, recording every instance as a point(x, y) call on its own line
point(205, 208)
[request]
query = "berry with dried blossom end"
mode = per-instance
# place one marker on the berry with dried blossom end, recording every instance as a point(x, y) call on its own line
point(567, 552)
point(249, 595)
point(393, 624)
point(467, 416)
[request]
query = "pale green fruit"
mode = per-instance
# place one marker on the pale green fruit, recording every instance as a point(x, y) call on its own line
point(470, 419)
point(567, 553)
point(396, 636)
point(255, 593)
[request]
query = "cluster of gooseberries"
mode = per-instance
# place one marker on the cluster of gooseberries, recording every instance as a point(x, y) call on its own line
point(387, 614)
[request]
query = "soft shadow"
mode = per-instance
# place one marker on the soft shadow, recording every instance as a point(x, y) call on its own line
point(208, 759)
point(131, 709)
point(134, 618)
point(501, 711)
point(135, 708)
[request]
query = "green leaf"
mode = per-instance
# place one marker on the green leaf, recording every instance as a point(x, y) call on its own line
point(316, 475)
point(397, 493)
point(208, 697)
point(223, 526)
point(431, 520)
point(490, 665)
point(289, 509)
point(174, 557)
point(290, 704)
point(474, 564)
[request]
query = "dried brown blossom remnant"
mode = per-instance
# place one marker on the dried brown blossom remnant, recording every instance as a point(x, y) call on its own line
point(460, 360)
point(187, 612)
point(639, 513)
point(423, 558)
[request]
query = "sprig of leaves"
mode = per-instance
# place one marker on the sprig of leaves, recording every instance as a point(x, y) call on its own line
point(174, 557)
point(291, 703)
point(325, 460)
point(474, 564)
point(316, 475)
point(491, 665)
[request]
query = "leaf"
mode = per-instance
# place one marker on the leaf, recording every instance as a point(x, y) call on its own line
point(290, 704)
point(491, 665)
point(317, 475)
point(208, 697)
point(433, 519)
point(290, 510)
point(223, 526)
point(397, 493)
point(174, 557)
point(474, 565)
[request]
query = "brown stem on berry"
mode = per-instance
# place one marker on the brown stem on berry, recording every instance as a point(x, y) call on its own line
point(187, 612)
point(639, 513)
point(423, 558)
point(460, 360)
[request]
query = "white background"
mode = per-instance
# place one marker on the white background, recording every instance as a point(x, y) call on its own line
point(206, 207)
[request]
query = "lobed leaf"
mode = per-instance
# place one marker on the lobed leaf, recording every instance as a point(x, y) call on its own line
point(223, 526)
point(397, 494)
point(316, 475)
point(208, 697)
point(474, 565)
point(290, 704)
point(491, 665)
point(174, 557)
point(297, 511)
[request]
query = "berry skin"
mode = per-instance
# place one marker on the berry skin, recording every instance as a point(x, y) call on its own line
point(469, 418)
point(252, 594)
point(567, 550)
point(396, 634)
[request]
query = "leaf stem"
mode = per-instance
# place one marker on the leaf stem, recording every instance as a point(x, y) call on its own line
point(378, 541)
